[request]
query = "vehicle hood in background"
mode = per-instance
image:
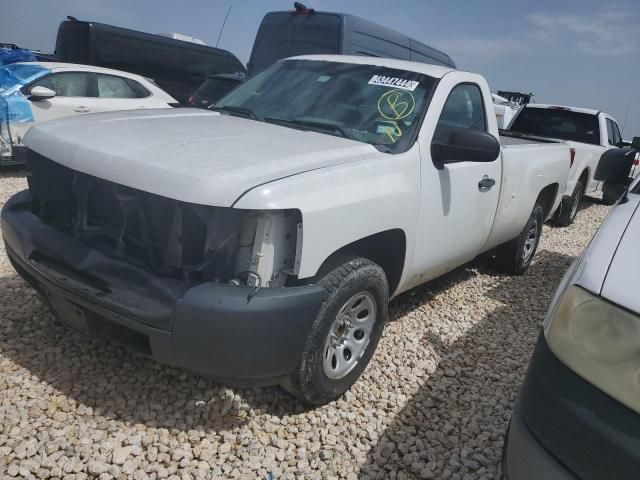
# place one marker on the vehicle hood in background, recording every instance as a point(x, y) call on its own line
point(621, 285)
point(595, 261)
point(186, 154)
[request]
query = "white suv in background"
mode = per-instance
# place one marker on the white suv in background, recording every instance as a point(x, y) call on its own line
point(589, 133)
point(36, 92)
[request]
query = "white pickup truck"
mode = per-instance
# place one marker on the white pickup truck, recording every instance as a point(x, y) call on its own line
point(260, 244)
point(589, 133)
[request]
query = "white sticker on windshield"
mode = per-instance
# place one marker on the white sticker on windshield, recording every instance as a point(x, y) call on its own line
point(394, 82)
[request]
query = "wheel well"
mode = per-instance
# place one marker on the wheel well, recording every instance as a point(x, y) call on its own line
point(584, 178)
point(387, 249)
point(546, 198)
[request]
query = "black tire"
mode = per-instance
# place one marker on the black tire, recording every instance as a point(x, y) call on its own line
point(515, 256)
point(609, 200)
point(611, 193)
point(344, 279)
point(568, 209)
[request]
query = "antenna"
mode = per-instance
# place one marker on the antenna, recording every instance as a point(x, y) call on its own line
point(626, 117)
point(223, 24)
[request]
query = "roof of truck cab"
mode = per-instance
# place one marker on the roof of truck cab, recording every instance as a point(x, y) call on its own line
point(435, 71)
point(589, 111)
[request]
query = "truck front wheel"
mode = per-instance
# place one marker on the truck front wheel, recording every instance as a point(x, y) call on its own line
point(345, 333)
point(515, 256)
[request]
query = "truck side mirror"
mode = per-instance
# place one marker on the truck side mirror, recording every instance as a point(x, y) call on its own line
point(615, 165)
point(41, 93)
point(465, 145)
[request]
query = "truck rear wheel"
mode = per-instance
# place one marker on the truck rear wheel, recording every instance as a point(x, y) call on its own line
point(345, 333)
point(515, 256)
point(568, 209)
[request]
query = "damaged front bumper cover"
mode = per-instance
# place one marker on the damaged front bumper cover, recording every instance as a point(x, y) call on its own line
point(211, 328)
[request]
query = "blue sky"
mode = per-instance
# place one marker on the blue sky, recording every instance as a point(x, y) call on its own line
point(573, 52)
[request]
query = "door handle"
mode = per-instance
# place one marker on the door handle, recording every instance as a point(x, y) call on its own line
point(486, 184)
point(82, 109)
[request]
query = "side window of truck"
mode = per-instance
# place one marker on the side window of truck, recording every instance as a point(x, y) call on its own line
point(464, 109)
point(617, 138)
point(610, 138)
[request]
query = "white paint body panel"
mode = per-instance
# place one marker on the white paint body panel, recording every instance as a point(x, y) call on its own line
point(621, 284)
point(346, 203)
point(189, 154)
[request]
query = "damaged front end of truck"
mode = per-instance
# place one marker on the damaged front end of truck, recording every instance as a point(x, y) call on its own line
point(209, 288)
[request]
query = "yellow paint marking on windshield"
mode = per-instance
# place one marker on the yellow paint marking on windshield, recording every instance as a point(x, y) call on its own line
point(396, 104)
point(394, 135)
point(394, 132)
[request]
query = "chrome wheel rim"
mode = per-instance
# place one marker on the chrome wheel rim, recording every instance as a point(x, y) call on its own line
point(531, 241)
point(349, 335)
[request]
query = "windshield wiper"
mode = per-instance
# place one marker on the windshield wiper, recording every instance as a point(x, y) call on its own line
point(311, 124)
point(239, 110)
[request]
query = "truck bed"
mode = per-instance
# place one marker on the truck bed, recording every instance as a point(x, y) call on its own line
point(508, 138)
point(529, 165)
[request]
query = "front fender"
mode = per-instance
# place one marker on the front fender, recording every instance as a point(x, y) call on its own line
point(345, 203)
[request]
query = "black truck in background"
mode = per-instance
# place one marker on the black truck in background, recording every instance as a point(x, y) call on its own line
point(199, 75)
point(177, 66)
point(304, 31)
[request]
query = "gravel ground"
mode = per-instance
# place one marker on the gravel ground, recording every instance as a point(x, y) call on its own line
point(434, 403)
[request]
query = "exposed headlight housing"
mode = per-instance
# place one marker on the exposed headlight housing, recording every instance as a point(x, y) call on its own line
point(599, 341)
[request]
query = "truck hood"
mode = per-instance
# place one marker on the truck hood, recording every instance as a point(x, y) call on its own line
point(186, 154)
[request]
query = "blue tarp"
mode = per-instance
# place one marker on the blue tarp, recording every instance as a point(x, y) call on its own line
point(14, 55)
point(12, 78)
point(19, 74)
point(5, 134)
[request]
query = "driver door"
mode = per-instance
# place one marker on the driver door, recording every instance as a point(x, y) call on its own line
point(458, 202)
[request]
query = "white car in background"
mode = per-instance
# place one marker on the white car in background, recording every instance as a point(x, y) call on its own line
point(36, 92)
point(589, 133)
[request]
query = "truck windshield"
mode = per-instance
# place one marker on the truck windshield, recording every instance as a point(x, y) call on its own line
point(367, 103)
point(557, 123)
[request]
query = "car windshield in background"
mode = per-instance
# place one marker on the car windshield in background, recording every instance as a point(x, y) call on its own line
point(212, 90)
point(558, 123)
point(376, 105)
